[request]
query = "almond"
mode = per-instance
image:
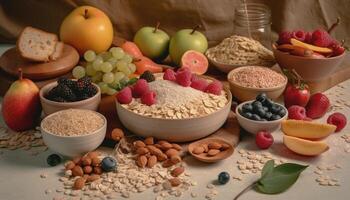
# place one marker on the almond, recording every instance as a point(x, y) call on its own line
point(77, 160)
point(225, 147)
point(86, 160)
point(149, 141)
point(77, 171)
point(213, 152)
point(176, 147)
point(69, 165)
point(93, 177)
point(214, 145)
point(93, 154)
point(154, 150)
point(151, 161)
point(87, 169)
point(158, 146)
point(198, 150)
point(142, 151)
point(138, 144)
point(161, 157)
point(171, 152)
point(175, 182)
point(86, 176)
point(167, 163)
point(95, 161)
point(175, 159)
point(161, 142)
point(205, 146)
point(97, 170)
point(117, 134)
point(79, 183)
point(166, 146)
point(141, 161)
point(177, 171)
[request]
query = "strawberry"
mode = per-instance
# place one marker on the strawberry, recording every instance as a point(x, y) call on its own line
point(296, 93)
point(317, 106)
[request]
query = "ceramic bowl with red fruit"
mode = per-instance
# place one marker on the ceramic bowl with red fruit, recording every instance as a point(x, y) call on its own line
point(261, 114)
point(313, 55)
point(174, 106)
point(69, 93)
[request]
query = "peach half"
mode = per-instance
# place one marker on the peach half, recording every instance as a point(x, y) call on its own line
point(304, 147)
point(307, 129)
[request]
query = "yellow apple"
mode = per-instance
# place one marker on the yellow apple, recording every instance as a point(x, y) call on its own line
point(304, 147)
point(87, 28)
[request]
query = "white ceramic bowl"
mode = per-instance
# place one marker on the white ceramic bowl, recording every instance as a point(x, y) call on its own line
point(174, 130)
point(253, 126)
point(75, 145)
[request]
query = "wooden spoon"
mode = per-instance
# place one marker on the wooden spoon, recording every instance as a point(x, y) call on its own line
point(204, 157)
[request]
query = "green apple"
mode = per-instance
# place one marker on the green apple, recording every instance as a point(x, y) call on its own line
point(184, 40)
point(153, 42)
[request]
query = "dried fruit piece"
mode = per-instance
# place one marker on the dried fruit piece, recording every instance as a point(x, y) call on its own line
point(86, 161)
point(117, 134)
point(93, 154)
point(149, 140)
point(97, 170)
point(69, 165)
point(95, 161)
point(87, 169)
point(177, 171)
point(79, 183)
point(93, 177)
point(77, 171)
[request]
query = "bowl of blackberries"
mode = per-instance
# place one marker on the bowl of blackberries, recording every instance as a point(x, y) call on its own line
point(70, 93)
point(260, 114)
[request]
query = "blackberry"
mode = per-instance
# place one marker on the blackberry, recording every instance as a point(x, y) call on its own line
point(64, 92)
point(82, 84)
point(91, 90)
point(148, 76)
point(68, 82)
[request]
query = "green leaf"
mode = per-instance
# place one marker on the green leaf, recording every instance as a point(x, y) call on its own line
point(132, 81)
point(268, 167)
point(279, 178)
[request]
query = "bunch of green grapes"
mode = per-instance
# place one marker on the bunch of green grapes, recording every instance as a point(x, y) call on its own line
point(110, 70)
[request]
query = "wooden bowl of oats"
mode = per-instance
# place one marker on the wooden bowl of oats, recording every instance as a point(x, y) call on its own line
point(181, 114)
point(249, 81)
point(73, 132)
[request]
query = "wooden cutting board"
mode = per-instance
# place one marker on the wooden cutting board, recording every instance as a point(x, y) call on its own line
point(10, 61)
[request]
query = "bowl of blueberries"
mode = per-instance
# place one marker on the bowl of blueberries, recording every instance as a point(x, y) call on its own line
point(260, 114)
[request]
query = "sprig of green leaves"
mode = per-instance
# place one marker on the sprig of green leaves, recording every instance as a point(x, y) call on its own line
point(277, 179)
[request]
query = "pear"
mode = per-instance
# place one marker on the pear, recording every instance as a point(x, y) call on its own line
point(21, 108)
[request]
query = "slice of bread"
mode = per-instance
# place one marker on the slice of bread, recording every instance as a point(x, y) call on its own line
point(58, 51)
point(36, 45)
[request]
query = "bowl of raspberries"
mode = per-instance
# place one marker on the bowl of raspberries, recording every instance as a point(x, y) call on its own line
point(313, 55)
point(70, 93)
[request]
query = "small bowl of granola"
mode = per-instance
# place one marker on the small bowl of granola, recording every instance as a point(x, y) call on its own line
point(179, 114)
point(73, 132)
point(249, 81)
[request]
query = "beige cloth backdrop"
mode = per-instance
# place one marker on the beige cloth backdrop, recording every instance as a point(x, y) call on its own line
point(215, 16)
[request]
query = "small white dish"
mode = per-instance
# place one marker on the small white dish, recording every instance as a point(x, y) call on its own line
point(74, 145)
point(253, 126)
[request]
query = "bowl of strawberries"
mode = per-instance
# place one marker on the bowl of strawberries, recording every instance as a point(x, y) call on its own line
point(313, 55)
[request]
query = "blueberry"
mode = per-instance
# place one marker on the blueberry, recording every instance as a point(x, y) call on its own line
point(275, 108)
point(261, 97)
point(223, 177)
point(275, 117)
point(265, 108)
point(247, 107)
point(255, 117)
point(268, 103)
point(282, 112)
point(53, 159)
point(247, 115)
point(263, 119)
point(256, 104)
point(108, 164)
point(261, 112)
point(268, 115)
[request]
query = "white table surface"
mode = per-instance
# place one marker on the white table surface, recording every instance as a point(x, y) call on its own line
point(20, 172)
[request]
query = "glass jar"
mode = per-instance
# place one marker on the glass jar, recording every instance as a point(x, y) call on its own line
point(253, 20)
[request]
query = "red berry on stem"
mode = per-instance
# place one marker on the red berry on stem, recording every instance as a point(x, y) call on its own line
point(264, 139)
point(124, 96)
point(337, 119)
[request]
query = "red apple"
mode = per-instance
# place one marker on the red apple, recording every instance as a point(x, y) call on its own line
point(21, 108)
point(263, 139)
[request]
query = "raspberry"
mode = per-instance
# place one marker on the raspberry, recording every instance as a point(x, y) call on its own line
point(337, 49)
point(321, 38)
point(124, 96)
point(169, 75)
point(284, 37)
point(148, 98)
point(299, 35)
point(183, 77)
point(338, 120)
point(199, 83)
point(214, 87)
point(140, 87)
point(308, 37)
point(296, 112)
